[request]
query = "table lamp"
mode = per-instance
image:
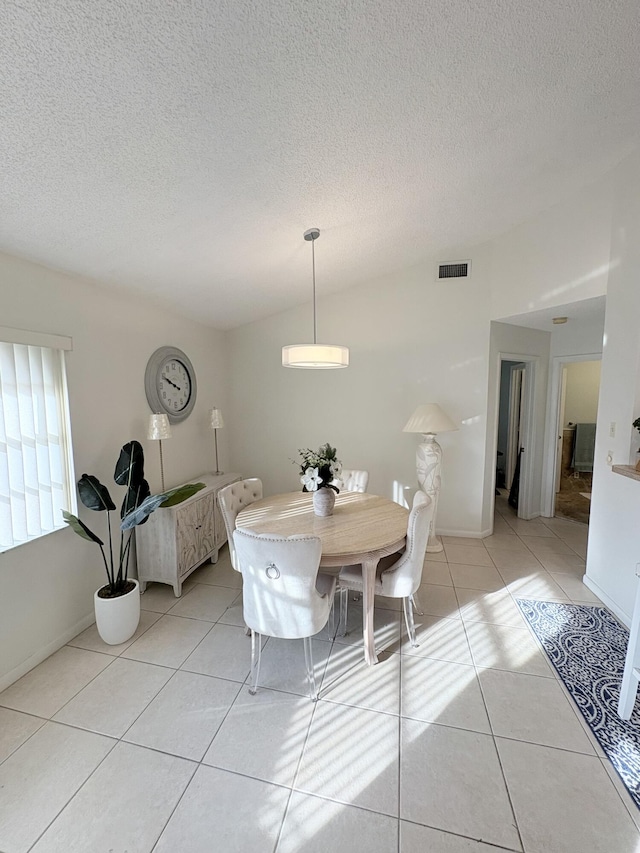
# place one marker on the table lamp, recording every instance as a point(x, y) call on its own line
point(159, 429)
point(429, 419)
point(216, 423)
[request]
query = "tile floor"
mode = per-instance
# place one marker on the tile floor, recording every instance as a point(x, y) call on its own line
point(467, 743)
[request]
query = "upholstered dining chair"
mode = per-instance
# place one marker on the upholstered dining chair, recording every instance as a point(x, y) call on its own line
point(352, 480)
point(283, 594)
point(231, 500)
point(402, 577)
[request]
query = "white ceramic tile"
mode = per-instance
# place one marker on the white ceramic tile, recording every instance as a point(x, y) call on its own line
point(169, 642)
point(578, 545)
point(221, 811)
point(623, 793)
point(442, 692)
point(204, 602)
point(530, 708)
point(436, 573)
point(435, 600)
point(565, 801)
point(386, 627)
point(536, 584)
point(531, 528)
point(123, 806)
point(40, 777)
point(503, 647)
point(436, 556)
point(422, 839)
point(262, 736)
point(443, 639)
point(233, 615)
point(505, 542)
point(568, 563)
point(563, 527)
point(476, 577)
point(350, 681)
point(515, 561)
point(497, 608)
point(51, 684)
point(225, 653)
point(15, 729)
point(468, 555)
point(159, 597)
point(113, 700)
point(351, 756)
point(574, 588)
point(540, 545)
point(90, 639)
point(184, 717)
point(451, 779)
point(283, 666)
point(221, 573)
point(319, 826)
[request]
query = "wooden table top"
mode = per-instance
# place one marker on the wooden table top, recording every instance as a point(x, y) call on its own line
point(360, 522)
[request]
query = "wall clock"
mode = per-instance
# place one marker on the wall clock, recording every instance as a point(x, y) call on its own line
point(170, 384)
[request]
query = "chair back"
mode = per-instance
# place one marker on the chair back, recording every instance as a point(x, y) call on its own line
point(279, 594)
point(231, 500)
point(353, 481)
point(403, 578)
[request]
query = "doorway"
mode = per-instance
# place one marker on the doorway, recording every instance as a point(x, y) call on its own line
point(514, 426)
point(577, 387)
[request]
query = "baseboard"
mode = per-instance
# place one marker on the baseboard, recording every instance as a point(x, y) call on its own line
point(464, 533)
point(28, 664)
point(608, 602)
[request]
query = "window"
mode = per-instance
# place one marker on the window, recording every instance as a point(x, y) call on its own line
point(36, 471)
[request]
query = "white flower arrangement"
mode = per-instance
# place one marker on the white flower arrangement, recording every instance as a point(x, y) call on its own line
point(319, 468)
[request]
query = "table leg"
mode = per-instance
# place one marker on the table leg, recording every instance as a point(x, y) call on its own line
point(369, 584)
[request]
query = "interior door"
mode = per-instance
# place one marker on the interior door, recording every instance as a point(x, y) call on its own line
point(516, 399)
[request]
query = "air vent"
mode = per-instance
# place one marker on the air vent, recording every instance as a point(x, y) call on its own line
point(457, 270)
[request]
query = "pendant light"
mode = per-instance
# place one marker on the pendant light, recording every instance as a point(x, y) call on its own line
point(315, 356)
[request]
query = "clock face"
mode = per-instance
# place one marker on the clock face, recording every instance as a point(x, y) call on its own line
point(170, 384)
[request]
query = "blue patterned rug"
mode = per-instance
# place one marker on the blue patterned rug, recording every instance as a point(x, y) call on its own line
point(587, 646)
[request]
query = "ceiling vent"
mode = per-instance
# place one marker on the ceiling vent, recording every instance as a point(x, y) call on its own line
point(459, 269)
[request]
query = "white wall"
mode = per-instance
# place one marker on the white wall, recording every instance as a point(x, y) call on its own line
point(583, 389)
point(560, 256)
point(614, 545)
point(47, 585)
point(413, 340)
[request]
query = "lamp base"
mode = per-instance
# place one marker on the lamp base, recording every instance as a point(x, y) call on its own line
point(428, 468)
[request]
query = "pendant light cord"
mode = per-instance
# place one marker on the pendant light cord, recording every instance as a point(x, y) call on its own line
point(313, 265)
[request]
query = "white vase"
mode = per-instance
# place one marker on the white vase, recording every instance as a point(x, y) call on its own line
point(323, 502)
point(117, 618)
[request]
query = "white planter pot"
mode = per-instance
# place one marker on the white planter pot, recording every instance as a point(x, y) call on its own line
point(117, 618)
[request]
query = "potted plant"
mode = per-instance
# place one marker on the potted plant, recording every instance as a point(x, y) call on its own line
point(318, 472)
point(117, 603)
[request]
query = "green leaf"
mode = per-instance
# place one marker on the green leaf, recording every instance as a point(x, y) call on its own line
point(134, 498)
point(80, 528)
point(93, 494)
point(182, 493)
point(140, 513)
point(130, 465)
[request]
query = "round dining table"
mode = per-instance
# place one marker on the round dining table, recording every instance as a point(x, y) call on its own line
point(363, 529)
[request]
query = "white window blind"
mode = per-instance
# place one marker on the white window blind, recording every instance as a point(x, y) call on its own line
point(36, 477)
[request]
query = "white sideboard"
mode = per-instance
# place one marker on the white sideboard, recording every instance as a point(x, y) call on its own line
point(176, 540)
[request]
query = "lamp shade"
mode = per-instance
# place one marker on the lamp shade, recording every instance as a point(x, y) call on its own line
point(429, 418)
point(217, 421)
point(315, 356)
point(159, 427)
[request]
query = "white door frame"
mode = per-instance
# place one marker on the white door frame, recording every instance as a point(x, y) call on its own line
point(553, 426)
point(528, 438)
point(516, 395)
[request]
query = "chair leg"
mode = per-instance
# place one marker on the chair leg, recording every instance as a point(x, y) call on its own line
point(331, 623)
point(416, 604)
point(308, 657)
point(407, 606)
point(344, 604)
point(256, 653)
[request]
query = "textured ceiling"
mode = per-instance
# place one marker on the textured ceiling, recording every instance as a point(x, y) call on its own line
point(181, 148)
